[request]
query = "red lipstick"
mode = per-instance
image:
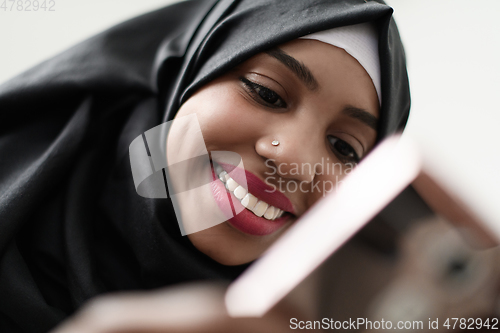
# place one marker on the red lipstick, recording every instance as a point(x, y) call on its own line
point(259, 188)
point(246, 221)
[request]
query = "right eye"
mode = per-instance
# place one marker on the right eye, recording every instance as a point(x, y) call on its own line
point(263, 95)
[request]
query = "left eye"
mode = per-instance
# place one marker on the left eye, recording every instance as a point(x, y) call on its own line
point(344, 151)
point(263, 94)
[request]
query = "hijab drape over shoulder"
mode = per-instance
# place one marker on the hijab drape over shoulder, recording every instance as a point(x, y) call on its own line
point(71, 223)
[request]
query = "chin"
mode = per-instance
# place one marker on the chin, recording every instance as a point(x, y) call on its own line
point(231, 260)
point(228, 246)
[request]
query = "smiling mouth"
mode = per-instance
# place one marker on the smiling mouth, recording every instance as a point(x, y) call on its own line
point(258, 207)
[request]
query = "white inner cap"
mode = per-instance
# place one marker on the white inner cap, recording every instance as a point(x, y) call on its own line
point(361, 42)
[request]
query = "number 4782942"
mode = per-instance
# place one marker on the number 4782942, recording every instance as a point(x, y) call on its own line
point(471, 323)
point(28, 5)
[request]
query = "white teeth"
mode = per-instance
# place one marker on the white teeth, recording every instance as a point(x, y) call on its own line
point(260, 208)
point(248, 200)
point(222, 176)
point(277, 212)
point(231, 185)
point(240, 192)
point(269, 214)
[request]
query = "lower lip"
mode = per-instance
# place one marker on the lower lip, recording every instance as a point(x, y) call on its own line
point(246, 221)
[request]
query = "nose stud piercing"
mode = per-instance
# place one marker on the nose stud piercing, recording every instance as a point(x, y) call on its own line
point(275, 143)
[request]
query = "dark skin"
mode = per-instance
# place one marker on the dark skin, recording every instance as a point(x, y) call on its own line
point(332, 116)
point(325, 109)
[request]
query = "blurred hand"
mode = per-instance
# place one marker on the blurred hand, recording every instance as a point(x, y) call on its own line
point(181, 309)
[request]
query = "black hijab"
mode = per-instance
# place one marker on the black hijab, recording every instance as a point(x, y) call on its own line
point(71, 223)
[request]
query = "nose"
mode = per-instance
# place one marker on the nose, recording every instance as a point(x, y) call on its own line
point(291, 153)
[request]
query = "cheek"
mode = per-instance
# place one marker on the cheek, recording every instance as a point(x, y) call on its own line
point(226, 117)
point(325, 182)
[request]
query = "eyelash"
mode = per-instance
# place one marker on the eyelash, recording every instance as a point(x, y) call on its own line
point(348, 156)
point(258, 94)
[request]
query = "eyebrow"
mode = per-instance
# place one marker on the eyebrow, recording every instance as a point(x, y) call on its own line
point(361, 115)
point(298, 68)
point(305, 75)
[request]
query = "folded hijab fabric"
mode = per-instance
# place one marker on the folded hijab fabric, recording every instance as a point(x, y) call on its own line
point(71, 223)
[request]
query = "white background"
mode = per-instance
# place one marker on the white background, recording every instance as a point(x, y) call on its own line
point(453, 51)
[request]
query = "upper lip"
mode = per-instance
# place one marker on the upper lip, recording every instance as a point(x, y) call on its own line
point(258, 188)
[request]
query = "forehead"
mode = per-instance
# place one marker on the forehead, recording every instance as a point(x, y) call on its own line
point(336, 70)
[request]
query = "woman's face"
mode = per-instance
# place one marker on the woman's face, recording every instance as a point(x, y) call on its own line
point(322, 107)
